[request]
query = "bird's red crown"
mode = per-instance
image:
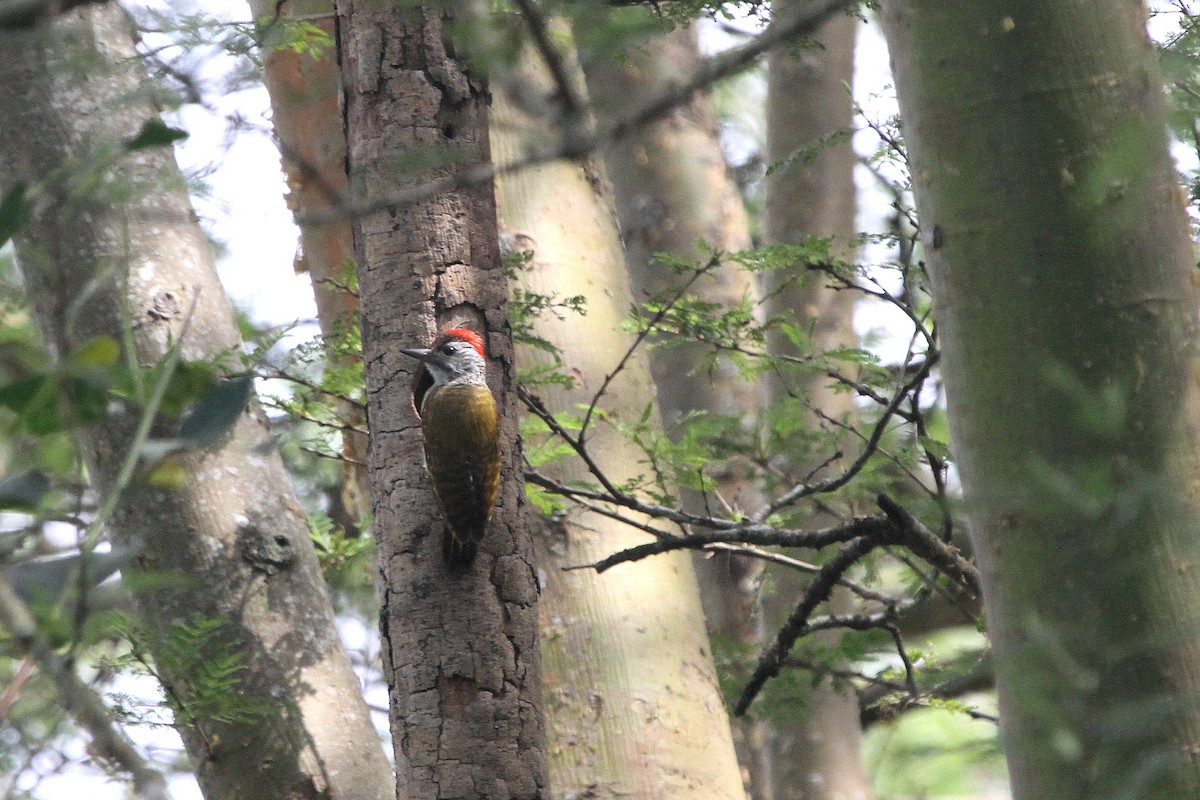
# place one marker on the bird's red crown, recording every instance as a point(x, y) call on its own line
point(470, 337)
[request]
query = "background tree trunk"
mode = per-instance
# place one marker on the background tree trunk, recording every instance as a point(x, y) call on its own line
point(818, 753)
point(1063, 276)
point(305, 91)
point(634, 709)
point(673, 189)
point(460, 650)
point(114, 243)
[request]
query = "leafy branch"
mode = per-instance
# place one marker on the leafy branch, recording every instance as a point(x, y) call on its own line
point(902, 419)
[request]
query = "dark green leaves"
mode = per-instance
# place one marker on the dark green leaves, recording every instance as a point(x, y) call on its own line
point(15, 211)
point(23, 490)
point(48, 403)
point(51, 400)
point(216, 413)
point(155, 133)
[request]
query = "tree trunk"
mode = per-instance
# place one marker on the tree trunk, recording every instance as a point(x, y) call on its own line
point(114, 243)
point(819, 756)
point(305, 91)
point(1063, 274)
point(673, 189)
point(460, 649)
point(635, 710)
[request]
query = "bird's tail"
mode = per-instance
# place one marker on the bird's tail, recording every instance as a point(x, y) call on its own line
point(457, 551)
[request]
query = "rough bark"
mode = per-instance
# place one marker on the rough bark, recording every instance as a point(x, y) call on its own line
point(460, 650)
point(633, 709)
point(1063, 276)
point(673, 189)
point(114, 242)
point(818, 756)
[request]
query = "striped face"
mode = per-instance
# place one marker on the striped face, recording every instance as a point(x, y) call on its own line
point(456, 356)
point(470, 337)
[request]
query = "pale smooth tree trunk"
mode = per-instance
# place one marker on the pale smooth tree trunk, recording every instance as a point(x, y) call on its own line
point(114, 243)
point(633, 707)
point(673, 189)
point(819, 755)
point(1063, 277)
point(460, 649)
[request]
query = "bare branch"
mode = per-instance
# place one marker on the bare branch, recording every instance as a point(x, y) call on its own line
point(806, 21)
point(797, 624)
point(928, 546)
point(536, 22)
point(910, 678)
point(773, 557)
point(874, 529)
point(13, 692)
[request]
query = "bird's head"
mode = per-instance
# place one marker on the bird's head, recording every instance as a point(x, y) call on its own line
point(456, 356)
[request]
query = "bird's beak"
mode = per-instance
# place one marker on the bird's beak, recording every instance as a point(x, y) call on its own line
point(422, 354)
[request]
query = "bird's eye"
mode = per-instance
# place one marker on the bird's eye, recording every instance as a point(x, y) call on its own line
point(448, 348)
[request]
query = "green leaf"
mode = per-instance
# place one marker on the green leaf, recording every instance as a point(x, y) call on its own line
point(35, 400)
point(15, 211)
point(89, 402)
point(190, 380)
point(216, 413)
point(938, 449)
point(155, 133)
point(545, 502)
point(99, 351)
point(24, 490)
point(20, 393)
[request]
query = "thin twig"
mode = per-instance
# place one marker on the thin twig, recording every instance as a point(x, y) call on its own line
point(279, 373)
point(910, 677)
point(938, 468)
point(535, 404)
point(640, 338)
point(872, 528)
point(832, 484)
point(772, 557)
point(930, 585)
point(13, 692)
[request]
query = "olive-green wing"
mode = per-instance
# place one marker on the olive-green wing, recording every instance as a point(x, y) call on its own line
point(462, 453)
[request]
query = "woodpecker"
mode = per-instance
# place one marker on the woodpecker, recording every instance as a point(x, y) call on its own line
point(461, 429)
